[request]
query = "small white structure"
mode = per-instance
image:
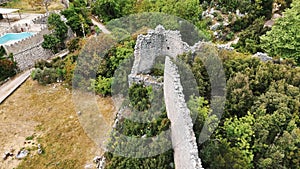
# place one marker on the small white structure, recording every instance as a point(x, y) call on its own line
point(6, 11)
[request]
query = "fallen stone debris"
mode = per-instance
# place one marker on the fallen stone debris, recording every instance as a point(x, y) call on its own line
point(40, 151)
point(22, 154)
point(7, 154)
point(100, 162)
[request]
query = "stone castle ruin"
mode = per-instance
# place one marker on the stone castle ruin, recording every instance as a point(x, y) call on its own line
point(158, 42)
point(168, 44)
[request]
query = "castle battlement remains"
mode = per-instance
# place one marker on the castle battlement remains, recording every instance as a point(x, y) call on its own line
point(168, 44)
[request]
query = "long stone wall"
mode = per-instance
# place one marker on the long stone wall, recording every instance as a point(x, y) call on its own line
point(182, 134)
point(27, 58)
point(166, 43)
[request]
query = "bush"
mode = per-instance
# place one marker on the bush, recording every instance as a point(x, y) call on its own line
point(102, 85)
point(229, 36)
point(219, 17)
point(7, 68)
point(48, 75)
point(41, 64)
point(74, 44)
point(139, 96)
point(230, 17)
point(2, 51)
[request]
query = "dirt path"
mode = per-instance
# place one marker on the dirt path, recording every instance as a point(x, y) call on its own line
point(9, 87)
point(100, 26)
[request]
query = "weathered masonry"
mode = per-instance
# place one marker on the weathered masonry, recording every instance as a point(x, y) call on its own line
point(28, 50)
point(166, 43)
point(182, 134)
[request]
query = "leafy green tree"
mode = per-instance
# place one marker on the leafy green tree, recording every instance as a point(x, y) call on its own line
point(139, 96)
point(78, 17)
point(239, 95)
point(107, 9)
point(260, 127)
point(55, 40)
point(58, 26)
point(217, 153)
point(8, 68)
point(284, 38)
point(239, 133)
point(51, 42)
point(199, 112)
point(249, 40)
point(74, 44)
point(190, 10)
point(152, 128)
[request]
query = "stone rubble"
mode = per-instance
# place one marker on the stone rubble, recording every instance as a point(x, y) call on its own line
point(7, 154)
point(262, 56)
point(100, 162)
point(22, 154)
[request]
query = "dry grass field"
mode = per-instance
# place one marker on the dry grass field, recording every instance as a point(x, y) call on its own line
point(46, 115)
point(28, 6)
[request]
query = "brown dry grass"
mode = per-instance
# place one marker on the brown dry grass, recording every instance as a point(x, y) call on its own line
point(25, 6)
point(48, 112)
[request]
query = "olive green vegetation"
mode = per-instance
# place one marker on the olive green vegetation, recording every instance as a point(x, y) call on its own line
point(260, 124)
point(249, 41)
point(279, 41)
point(58, 70)
point(190, 10)
point(109, 64)
point(55, 40)
point(8, 67)
point(251, 25)
point(78, 18)
point(284, 38)
point(141, 101)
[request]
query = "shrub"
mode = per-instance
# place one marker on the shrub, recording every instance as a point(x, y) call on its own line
point(139, 96)
point(102, 85)
point(219, 17)
point(47, 75)
point(74, 44)
point(2, 51)
point(42, 64)
point(229, 36)
point(7, 68)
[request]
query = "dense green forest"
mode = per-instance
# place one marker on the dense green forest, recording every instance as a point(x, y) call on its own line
point(260, 124)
